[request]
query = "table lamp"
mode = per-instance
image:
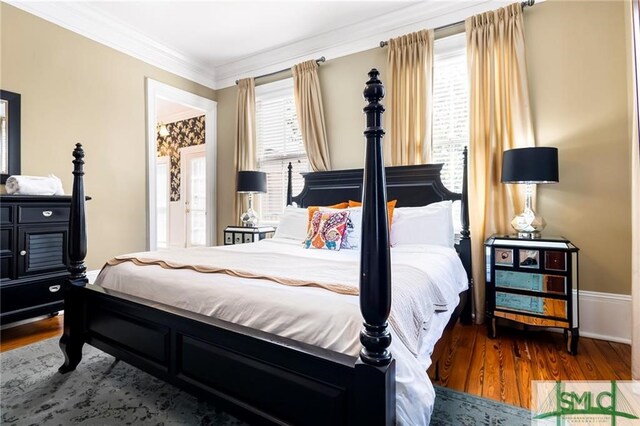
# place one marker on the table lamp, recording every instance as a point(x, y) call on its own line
point(530, 166)
point(251, 182)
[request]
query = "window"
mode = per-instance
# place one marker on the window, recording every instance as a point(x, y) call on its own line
point(279, 142)
point(450, 132)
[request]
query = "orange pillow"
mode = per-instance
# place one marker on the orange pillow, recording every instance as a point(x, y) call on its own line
point(312, 209)
point(390, 206)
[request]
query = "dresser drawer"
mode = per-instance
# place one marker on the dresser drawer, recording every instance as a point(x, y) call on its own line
point(6, 215)
point(43, 214)
point(26, 295)
point(6, 267)
point(6, 241)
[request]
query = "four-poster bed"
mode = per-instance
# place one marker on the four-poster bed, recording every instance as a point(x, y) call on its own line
point(262, 377)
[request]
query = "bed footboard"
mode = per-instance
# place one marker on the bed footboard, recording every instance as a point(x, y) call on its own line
point(259, 377)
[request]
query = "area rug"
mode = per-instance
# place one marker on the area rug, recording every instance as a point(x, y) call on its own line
point(453, 408)
point(105, 392)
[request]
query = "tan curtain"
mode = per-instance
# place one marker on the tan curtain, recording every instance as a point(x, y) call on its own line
point(245, 150)
point(306, 88)
point(410, 94)
point(499, 120)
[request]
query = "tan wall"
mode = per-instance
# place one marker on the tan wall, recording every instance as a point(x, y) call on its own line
point(342, 81)
point(225, 167)
point(579, 88)
point(76, 90)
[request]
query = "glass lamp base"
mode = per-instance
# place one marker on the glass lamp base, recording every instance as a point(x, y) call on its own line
point(249, 218)
point(528, 224)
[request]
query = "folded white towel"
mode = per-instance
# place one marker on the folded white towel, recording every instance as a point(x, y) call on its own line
point(34, 185)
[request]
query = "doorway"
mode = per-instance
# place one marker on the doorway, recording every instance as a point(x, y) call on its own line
point(180, 168)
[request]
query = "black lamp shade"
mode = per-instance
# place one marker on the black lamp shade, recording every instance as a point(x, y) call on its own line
point(251, 181)
point(530, 165)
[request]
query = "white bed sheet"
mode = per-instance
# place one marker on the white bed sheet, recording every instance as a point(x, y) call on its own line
point(308, 314)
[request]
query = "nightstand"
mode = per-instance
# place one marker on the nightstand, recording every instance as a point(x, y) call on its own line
point(247, 234)
point(533, 282)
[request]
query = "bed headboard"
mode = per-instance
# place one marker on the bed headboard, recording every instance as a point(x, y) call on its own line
point(412, 186)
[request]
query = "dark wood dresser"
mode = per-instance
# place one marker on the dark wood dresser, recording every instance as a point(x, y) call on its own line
point(33, 255)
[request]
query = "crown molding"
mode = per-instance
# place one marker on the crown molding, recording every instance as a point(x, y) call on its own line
point(82, 18)
point(85, 19)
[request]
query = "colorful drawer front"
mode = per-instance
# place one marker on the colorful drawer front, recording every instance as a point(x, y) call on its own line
point(546, 306)
point(542, 283)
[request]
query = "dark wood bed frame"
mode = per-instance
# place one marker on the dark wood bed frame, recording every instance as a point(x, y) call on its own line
point(260, 377)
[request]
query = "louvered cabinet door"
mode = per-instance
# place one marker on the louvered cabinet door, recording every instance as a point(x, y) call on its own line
point(41, 249)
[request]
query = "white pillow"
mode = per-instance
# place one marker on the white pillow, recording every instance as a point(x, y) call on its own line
point(431, 224)
point(353, 234)
point(293, 224)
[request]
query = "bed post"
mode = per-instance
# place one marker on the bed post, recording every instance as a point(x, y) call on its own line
point(73, 336)
point(289, 184)
point(466, 316)
point(375, 368)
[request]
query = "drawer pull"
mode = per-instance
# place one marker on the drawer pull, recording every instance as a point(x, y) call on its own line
point(54, 288)
point(47, 213)
point(23, 252)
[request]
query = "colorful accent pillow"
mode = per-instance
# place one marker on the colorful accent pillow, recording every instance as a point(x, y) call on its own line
point(312, 209)
point(390, 206)
point(327, 229)
point(353, 232)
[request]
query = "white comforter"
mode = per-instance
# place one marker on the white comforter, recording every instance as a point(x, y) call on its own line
point(309, 314)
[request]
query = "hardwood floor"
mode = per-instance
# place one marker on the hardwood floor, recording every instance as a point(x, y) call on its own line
point(500, 369)
point(25, 334)
point(503, 368)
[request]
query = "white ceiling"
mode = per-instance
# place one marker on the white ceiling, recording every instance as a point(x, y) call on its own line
point(216, 42)
point(218, 33)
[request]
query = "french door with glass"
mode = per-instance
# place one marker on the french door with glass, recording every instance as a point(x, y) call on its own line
point(193, 192)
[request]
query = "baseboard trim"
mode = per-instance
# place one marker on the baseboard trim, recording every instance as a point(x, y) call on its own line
point(606, 316)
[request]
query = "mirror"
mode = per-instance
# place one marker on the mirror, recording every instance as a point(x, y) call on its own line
point(9, 134)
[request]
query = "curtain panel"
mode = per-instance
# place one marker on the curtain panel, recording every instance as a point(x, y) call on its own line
point(245, 147)
point(500, 119)
point(409, 105)
point(306, 89)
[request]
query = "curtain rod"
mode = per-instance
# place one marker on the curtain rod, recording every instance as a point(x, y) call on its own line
point(318, 61)
point(526, 3)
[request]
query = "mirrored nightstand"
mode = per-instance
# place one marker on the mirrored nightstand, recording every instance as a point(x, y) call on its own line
point(533, 282)
point(247, 234)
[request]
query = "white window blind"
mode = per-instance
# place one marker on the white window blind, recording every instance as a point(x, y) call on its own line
point(278, 142)
point(450, 111)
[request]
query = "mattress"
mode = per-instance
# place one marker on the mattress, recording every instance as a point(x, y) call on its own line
point(308, 314)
